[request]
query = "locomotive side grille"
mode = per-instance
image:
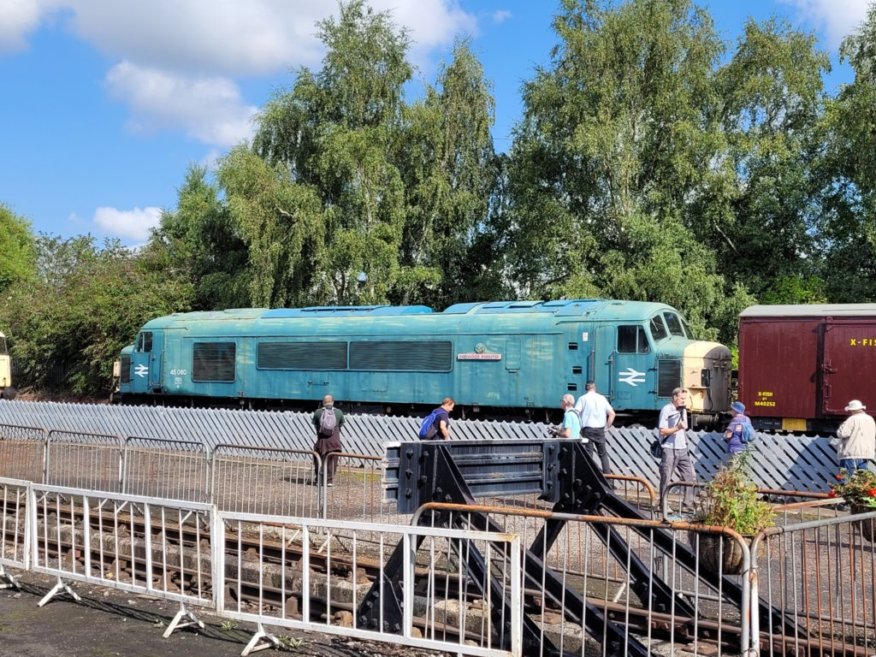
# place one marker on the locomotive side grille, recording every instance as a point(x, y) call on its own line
point(405, 356)
point(668, 377)
point(301, 356)
point(213, 361)
point(126, 369)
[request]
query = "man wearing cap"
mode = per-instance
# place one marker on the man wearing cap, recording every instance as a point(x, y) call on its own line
point(734, 434)
point(857, 436)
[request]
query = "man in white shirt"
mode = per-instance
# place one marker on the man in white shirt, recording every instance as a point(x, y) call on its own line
point(597, 415)
point(676, 455)
point(857, 436)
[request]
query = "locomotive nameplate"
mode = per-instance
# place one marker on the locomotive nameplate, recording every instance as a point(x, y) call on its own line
point(476, 356)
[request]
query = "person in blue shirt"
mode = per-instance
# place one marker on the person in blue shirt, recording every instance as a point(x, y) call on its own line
point(571, 426)
point(733, 434)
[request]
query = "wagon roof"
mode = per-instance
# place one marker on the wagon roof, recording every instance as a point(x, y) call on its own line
point(812, 310)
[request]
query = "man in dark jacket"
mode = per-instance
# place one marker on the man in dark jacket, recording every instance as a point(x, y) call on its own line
point(328, 421)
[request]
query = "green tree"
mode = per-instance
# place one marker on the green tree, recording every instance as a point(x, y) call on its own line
point(334, 133)
point(450, 170)
point(847, 235)
point(773, 105)
point(201, 241)
point(279, 222)
point(620, 139)
point(17, 244)
point(83, 306)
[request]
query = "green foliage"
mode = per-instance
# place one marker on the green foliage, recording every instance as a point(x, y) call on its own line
point(449, 170)
point(847, 231)
point(334, 135)
point(18, 248)
point(201, 242)
point(730, 500)
point(279, 223)
point(614, 152)
point(66, 328)
point(773, 101)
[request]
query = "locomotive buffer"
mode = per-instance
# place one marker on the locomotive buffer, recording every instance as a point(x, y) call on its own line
point(561, 473)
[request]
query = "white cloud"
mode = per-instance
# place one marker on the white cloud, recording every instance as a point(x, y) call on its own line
point(431, 24)
point(501, 16)
point(209, 109)
point(838, 18)
point(132, 224)
point(177, 59)
point(17, 18)
point(225, 37)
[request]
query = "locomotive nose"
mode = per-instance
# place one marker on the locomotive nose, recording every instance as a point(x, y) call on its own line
point(706, 374)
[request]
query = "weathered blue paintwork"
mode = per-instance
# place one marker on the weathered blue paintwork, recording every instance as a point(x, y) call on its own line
point(521, 354)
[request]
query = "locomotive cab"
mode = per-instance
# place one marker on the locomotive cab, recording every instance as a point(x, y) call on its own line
point(700, 366)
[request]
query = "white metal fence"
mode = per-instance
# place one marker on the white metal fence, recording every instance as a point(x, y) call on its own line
point(471, 580)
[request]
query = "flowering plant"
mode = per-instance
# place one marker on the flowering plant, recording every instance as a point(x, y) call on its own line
point(731, 500)
point(859, 489)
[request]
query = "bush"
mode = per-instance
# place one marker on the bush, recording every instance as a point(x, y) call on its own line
point(858, 490)
point(730, 500)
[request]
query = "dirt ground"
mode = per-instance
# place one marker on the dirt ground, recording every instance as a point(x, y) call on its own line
point(108, 623)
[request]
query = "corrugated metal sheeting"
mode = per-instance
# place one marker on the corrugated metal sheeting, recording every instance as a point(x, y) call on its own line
point(779, 461)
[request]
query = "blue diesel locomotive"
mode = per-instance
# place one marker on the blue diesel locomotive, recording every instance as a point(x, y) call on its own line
point(498, 358)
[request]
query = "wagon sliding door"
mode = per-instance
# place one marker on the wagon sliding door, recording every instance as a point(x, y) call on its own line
point(848, 365)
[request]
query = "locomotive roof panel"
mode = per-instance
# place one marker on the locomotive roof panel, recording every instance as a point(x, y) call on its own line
point(346, 311)
point(812, 310)
point(517, 316)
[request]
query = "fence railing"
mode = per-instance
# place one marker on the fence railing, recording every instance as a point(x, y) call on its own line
point(820, 574)
point(266, 481)
point(235, 478)
point(15, 535)
point(472, 580)
point(123, 542)
point(600, 582)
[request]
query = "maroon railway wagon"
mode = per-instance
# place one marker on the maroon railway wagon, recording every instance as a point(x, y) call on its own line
point(800, 365)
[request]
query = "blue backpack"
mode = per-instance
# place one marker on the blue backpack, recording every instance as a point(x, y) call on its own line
point(428, 428)
point(748, 433)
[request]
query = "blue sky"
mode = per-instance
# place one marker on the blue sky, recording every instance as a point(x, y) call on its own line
point(106, 103)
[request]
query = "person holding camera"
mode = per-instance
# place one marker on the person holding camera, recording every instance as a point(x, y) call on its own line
point(571, 424)
point(676, 454)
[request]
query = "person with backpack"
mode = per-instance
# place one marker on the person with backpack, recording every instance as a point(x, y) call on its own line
point(328, 420)
point(436, 425)
point(739, 431)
